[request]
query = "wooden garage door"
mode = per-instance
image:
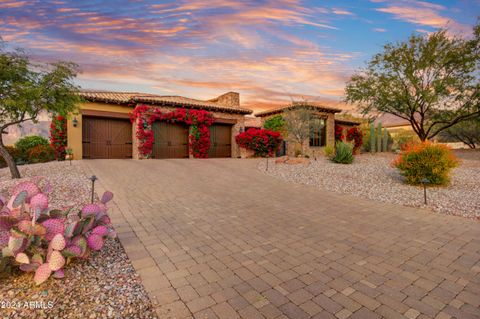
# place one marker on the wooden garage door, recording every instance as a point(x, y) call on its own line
point(171, 140)
point(221, 141)
point(106, 138)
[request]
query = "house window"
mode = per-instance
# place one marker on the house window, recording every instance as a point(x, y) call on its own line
point(317, 132)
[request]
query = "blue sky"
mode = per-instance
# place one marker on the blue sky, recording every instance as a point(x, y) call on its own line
point(269, 51)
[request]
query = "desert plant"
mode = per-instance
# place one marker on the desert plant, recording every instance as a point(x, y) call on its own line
point(379, 135)
point(298, 123)
point(24, 144)
point(36, 238)
point(262, 142)
point(372, 138)
point(329, 151)
point(385, 140)
point(13, 152)
point(343, 153)
point(426, 160)
point(41, 154)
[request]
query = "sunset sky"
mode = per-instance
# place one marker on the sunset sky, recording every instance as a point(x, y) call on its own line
point(269, 51)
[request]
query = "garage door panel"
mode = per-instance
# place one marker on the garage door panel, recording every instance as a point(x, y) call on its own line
point(106, 138)
point(171, 140)
point(220, 141)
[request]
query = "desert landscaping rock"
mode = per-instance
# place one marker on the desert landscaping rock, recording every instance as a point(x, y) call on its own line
point(373, 177)
point(104, 286)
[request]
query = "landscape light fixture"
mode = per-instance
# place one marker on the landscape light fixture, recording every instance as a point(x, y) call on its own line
point(425, 181)
point(93, 178)
point(75, 122)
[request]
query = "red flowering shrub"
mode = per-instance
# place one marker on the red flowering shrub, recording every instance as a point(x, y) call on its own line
point(198, 120)
point(426, 160)
point(41, 154)
point(262, 142)
point(339, 133)
point(58, 136)
point(355, 134)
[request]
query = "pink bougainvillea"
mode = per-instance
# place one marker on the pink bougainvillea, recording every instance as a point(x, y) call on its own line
point(198, 121)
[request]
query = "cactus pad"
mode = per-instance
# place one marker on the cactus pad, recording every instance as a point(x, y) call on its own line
point(54, 226)
point(39, 202)
point(95, 242)
point(42, 273)
point(106, 197)
point(56, 261)
point(22, 258)
point(58, 242)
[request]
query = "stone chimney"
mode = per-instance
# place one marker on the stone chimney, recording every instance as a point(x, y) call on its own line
point(231, 99)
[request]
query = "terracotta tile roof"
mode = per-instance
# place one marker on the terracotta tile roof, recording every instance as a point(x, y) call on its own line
point(135, 97)
point(315, 106)
point(346, 122)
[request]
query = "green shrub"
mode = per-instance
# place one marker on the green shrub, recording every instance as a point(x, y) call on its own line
point(41, 154)
point(276, 123)
point(24, 144)
point(343, 153)
point(12, 151)
point(329, 151)
point(426, 160)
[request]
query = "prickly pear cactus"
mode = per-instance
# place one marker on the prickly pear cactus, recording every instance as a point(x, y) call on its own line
point(35, 238)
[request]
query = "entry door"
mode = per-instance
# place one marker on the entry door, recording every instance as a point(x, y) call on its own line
point(171, 140)
point(106, 138)
point(221, 141)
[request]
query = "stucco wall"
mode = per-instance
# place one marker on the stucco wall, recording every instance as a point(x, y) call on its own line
point(74, 134)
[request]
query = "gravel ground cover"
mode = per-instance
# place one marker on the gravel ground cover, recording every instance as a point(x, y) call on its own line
point(104, 286)
point(373, 177)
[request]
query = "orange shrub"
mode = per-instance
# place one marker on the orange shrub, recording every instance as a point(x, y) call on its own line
point(426, 160)
point(41, 154)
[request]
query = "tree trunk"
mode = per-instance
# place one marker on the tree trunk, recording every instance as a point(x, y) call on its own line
point(9, 160)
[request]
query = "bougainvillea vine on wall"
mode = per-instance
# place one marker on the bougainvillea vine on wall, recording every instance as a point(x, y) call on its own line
point(262, 142)
point(58, 136)
point(339, 133)
point(197, 120)
point(355, 134)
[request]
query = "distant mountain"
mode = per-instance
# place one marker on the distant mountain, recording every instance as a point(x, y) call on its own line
point(41, 128)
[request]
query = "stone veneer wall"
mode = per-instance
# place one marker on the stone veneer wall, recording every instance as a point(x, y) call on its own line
point(237, 119)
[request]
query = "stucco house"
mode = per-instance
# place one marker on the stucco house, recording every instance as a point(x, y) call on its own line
point(102, 127)
point(322, 132)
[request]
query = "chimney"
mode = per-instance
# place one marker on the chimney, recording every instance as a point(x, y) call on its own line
point(231, 99)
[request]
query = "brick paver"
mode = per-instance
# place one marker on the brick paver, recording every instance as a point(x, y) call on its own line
point(219, 239)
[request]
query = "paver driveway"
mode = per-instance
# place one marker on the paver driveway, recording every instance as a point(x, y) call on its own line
point(218, 238)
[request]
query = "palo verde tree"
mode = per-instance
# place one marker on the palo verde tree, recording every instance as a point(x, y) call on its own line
point(298, 123)
point(432, 81)
point(467, 132)
point(27, 89)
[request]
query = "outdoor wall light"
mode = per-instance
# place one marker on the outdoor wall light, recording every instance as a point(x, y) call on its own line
point(425, 182)
point(75, 122)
